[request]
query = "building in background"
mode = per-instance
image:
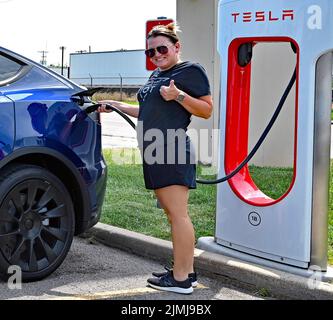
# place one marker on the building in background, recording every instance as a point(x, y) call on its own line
point(110, 69)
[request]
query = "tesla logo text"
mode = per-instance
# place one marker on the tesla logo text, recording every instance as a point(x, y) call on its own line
point(315, 20)
point(262, 16)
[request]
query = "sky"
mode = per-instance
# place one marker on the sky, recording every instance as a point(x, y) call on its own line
point(30, 26)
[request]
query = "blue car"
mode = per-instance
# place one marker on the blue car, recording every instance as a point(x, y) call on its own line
point(52, 171)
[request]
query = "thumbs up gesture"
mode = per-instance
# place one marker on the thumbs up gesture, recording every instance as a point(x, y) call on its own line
point(170, 92)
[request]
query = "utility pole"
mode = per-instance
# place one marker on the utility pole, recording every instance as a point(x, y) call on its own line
point(43, 59)
point(62, 48)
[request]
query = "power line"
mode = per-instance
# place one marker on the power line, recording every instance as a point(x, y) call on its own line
point(43, 58)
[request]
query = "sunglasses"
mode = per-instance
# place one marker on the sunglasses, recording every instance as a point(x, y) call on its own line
point(160, 49)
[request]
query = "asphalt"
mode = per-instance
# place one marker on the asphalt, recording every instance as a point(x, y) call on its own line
point(278, 283)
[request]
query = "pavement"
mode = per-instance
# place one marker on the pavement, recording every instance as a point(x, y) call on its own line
point(93, 271)
point(116, 132)
point(277, 282)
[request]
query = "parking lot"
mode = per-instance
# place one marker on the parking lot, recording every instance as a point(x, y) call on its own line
point(116, 132)
point(94, 271)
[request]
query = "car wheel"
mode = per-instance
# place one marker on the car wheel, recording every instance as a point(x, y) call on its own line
point(36, 221)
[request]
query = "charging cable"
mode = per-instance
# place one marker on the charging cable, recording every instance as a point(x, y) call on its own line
point(108, 106)
point(262, 138)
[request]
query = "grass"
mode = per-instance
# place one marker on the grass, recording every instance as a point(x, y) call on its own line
point(130, 206)
point(274, 182)
point(134, 103)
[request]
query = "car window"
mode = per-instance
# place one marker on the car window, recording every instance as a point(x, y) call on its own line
point(8, 68)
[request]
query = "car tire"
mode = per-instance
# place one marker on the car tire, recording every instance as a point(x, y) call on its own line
point(36, 221)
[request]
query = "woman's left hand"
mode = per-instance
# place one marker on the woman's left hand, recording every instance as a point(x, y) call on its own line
point(169, 93)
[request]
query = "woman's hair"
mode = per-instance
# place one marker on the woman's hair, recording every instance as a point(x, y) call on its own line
point(169, 31)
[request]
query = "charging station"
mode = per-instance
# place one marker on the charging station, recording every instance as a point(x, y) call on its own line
point(291, 232)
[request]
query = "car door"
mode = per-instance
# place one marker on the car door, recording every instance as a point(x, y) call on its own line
point(9, 69)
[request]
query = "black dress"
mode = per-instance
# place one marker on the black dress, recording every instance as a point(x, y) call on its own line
point(168, 155)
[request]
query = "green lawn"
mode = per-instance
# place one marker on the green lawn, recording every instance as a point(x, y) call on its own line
point(130, 206)
point(274, 182)
point(134, 103)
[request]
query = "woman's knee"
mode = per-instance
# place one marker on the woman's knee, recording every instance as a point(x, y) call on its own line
point(177, 216)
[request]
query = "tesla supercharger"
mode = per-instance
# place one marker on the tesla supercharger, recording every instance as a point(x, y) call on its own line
point(290, 231)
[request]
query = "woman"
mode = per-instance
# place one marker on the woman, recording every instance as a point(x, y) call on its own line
point(175, 91)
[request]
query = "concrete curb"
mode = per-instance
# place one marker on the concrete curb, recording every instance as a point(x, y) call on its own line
point(278, 283)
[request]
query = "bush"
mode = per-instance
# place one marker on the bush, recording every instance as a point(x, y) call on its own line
point(115, 95)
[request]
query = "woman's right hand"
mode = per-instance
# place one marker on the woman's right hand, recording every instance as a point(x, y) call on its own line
point(103, 103)
point(103, 108)
point(128, 109)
